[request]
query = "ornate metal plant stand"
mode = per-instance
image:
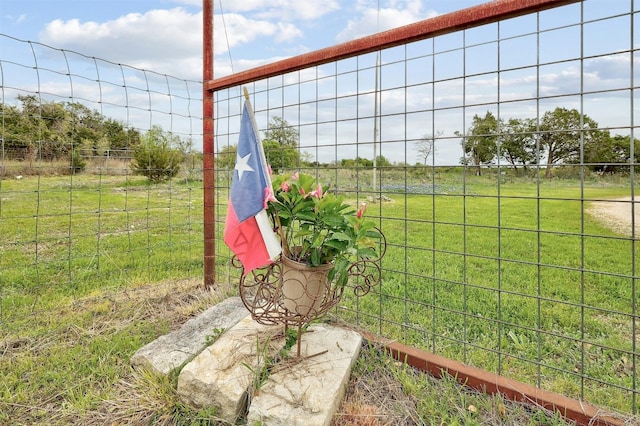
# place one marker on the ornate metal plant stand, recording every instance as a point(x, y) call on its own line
point(265, 291)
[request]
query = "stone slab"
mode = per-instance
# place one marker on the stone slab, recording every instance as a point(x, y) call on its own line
point(172, 350)
point(223, 374)
point(310, 391)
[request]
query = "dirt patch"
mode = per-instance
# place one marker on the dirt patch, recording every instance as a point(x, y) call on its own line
point(617, 214)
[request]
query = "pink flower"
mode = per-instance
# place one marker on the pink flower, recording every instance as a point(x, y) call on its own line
point(295, 176)
point(268, 196)
point(316, 192)
point(361, 210)
point(285, 186)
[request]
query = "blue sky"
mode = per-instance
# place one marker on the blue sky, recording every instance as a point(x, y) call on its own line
point(165, 36)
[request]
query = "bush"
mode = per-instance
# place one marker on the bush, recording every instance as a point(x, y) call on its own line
point(78, 163)
point(155, 157)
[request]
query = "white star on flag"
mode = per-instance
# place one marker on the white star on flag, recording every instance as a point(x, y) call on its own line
point(242, 165)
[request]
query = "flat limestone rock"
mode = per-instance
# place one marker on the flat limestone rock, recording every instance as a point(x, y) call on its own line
point(223, 374)
point(170, 351)
point(309, 392)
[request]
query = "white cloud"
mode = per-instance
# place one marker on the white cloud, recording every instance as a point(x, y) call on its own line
point(159, 39)
point(282, 10)
point(166, 41)
point(372, 20)
point(239, 30)
point(19, 19)
point(287, 32)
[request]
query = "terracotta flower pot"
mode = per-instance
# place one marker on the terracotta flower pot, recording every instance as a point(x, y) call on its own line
point(304, 288)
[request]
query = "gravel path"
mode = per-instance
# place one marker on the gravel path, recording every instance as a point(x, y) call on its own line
point(616, 214)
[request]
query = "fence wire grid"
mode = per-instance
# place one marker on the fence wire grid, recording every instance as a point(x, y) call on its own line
point(495, 258)
point(508, 206)
point(76, 220)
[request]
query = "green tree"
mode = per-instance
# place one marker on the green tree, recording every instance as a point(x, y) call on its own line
point(54, 130)
point(15, 139)
point(120, 137)
point(382, 161)
point(363, 162)
point(282, 132)
point(611, 154)
point(348, 163)
point(157, 156)
point(281, 145)
point(85, 125)
point(280, 156)
point(226, 158)
point(518, 142)
point(277, 156)
point(625, 143)
point(47, 127)
point(78, 163)
point(351, 163)
point(30, 123)
point(481, 141)
point(561, 133)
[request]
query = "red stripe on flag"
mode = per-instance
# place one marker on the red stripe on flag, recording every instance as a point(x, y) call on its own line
point(246, 241)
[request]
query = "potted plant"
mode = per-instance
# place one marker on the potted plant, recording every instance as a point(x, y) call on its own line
point(321, 236)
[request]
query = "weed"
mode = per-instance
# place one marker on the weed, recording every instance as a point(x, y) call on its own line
point(383, 391)
point(210, 339)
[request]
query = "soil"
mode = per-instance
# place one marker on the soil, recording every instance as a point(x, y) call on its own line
point(617, 214)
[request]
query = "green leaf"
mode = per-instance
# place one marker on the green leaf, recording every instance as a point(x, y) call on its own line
point(373, 234)
point(367, 253)
point(318, 240)
point(303, 232)
point(284, 214)
point(340, 271)
point(338, 245)
point(366, 242)
point(333, 220)
point(306, 215)
point(300, 206)
point(341, 236)
point(315, 258)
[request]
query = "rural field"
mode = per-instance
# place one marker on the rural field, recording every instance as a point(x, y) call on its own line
point(533, 279)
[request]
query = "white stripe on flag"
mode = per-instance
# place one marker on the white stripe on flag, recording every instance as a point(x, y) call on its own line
point(270, 240)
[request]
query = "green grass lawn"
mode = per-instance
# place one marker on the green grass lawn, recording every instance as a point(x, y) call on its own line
point(515, 278)
point(518, 279)
point(66, 237)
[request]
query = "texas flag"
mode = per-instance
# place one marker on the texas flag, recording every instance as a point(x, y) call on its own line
point(248, 232)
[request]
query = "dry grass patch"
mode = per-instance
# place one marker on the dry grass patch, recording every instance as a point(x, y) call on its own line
point(71, 364)
point(375, 397)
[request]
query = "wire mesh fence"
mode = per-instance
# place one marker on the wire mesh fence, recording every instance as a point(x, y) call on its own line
point(500, 167)
point(500, 162)
point(78, 215)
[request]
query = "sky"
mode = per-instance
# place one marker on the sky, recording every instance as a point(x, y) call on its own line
point(165, 36)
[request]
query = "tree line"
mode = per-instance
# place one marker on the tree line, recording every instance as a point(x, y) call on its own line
point(561, 136)
point(36, 129)
point(52, 130)
point(70, 130)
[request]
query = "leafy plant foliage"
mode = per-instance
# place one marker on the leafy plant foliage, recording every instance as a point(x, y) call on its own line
point(157, 157)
